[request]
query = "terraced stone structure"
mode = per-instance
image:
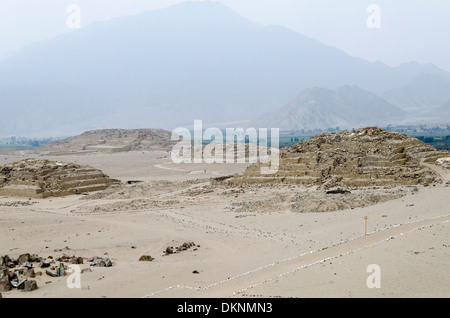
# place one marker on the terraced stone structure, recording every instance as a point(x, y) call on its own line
point(359, 158)
point(36, 178)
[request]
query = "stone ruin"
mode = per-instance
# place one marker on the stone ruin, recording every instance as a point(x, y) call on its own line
point(36, 178)
point(112, 141)
point(359, 158)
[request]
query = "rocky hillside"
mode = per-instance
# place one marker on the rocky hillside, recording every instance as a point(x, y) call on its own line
point(35, 178)
point(425, 90)
point(346, 107)
point(360, 158)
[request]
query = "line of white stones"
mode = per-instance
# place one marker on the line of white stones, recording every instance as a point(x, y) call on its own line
point(298, 256)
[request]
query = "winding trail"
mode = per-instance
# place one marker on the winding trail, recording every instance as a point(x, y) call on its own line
point(443, 173)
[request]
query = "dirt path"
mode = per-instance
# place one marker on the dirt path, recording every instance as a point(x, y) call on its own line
point(160, 166)
point(444, 173)
point(234, 286)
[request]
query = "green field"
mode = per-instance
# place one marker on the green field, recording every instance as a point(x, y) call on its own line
point(24, 143)
point(436, 137)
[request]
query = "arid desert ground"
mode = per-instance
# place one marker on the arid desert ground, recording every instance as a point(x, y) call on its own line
point(261, 250)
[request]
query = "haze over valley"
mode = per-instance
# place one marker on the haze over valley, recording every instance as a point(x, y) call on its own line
point(199, 60)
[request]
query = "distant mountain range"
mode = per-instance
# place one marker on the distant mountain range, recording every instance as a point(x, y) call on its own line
point(319, 108)
point(424, 90)
point(194, 60)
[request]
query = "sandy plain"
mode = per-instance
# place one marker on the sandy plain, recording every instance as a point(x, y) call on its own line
point(238, 253)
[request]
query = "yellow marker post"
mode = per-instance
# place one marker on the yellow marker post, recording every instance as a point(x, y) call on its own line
point(365, 221)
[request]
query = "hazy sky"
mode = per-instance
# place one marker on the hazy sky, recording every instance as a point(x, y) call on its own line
point(409, 30)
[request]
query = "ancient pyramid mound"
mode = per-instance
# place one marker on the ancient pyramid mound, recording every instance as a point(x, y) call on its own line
point(359, 158)
point(37, 178)
point(112, 141)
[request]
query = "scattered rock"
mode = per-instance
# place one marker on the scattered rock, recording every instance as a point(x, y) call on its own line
point(169, 250)
point(30, 285)
point(77, 260)
point(18, 278)
point(51, 273)
point(102, 262)
point(181, 248)
point(146, 258)
point(17, 203)
point(24, 258)
point(30, 273)
point(60, 270)
point(14, 282)
point(28, 265)
point(21, 284)
point(35, 258)
point(9, 262)
point(19, 271)
point(108, 262)
point(338, 191)
point(5, 285)
point(45, 263)
point(134, 181)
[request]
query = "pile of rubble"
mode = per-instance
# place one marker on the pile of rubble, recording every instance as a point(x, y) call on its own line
point(360, 158)
point(19, 277)
point(36, 178)
point(18, 273)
